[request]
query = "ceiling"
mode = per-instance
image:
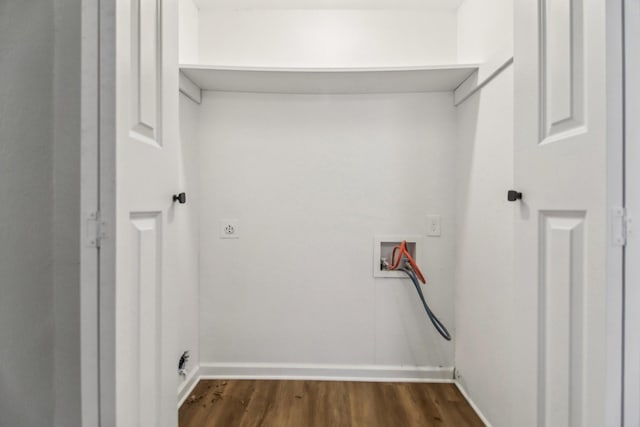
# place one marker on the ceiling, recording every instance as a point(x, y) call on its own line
point(327, 4)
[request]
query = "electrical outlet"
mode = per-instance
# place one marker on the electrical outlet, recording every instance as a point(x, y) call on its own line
point(433, 225)
point(229, 229)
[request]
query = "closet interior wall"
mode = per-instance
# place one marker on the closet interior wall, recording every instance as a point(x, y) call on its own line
point(188, 258)
point(312, 179)
point(327, 38)
point(188, 244)
point(486, 325)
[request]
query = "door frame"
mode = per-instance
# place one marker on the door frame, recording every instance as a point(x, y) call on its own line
point(631, 202)
point(107, 208)
point(89, 193)
point(97, 204)
point(615, 21)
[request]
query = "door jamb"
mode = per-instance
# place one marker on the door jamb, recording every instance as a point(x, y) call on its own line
point(97, 187)
point(631, 173)
point(89, 193)
point(107, 203)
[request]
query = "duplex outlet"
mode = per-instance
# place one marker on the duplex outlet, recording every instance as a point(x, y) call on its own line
point(433, 226)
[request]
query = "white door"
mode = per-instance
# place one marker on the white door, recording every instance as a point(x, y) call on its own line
point(561, 222)
point(146, 179)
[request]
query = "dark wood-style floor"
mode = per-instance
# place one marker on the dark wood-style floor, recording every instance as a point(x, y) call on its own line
point(230, 403)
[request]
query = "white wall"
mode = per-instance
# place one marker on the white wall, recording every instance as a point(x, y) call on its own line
point(312, 179)
point(187, 252)
point(484, 262)
point(327, 38)
point(187, 222)
point(188, 32)
point(485, 320)
point(26, 149)
point(485, 29)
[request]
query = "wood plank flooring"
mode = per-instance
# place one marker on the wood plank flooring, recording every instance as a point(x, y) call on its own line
point(231, 403)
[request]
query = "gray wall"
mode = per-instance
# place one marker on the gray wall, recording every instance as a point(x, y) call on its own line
point(39, 163)
point(66, 212)
point(26, 148)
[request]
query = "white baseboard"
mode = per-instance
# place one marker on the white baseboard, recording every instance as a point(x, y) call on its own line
point(285, 371)
point(472, 404)
point(188, 385)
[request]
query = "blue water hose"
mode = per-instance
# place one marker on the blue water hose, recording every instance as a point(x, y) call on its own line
point(442, 330)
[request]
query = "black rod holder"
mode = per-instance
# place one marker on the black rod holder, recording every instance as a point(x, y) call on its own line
point(180, 198)
point(513, 195)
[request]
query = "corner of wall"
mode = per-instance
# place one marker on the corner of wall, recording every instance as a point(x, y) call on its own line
point(188, 384)
point(459, 384)
point(485, 169)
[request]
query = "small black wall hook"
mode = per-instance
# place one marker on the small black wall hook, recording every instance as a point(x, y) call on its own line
point(513, 195)
point(180, 198)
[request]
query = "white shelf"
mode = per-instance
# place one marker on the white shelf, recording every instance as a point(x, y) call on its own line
point(328, 80)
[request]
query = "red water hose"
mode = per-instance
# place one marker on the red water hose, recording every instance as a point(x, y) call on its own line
point(402, 251)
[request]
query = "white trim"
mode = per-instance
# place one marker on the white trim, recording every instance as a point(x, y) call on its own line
point(89, 194)
point(485, 74)
point(631, 292)
point(336, 80)
point(472, 404)
point(332, 70)
point(107, 208)
point(326, 372)
point(615, 158)
point(187, 386)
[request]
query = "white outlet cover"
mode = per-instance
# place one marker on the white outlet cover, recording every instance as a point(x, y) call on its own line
point(434, 225)
point(229, 229)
